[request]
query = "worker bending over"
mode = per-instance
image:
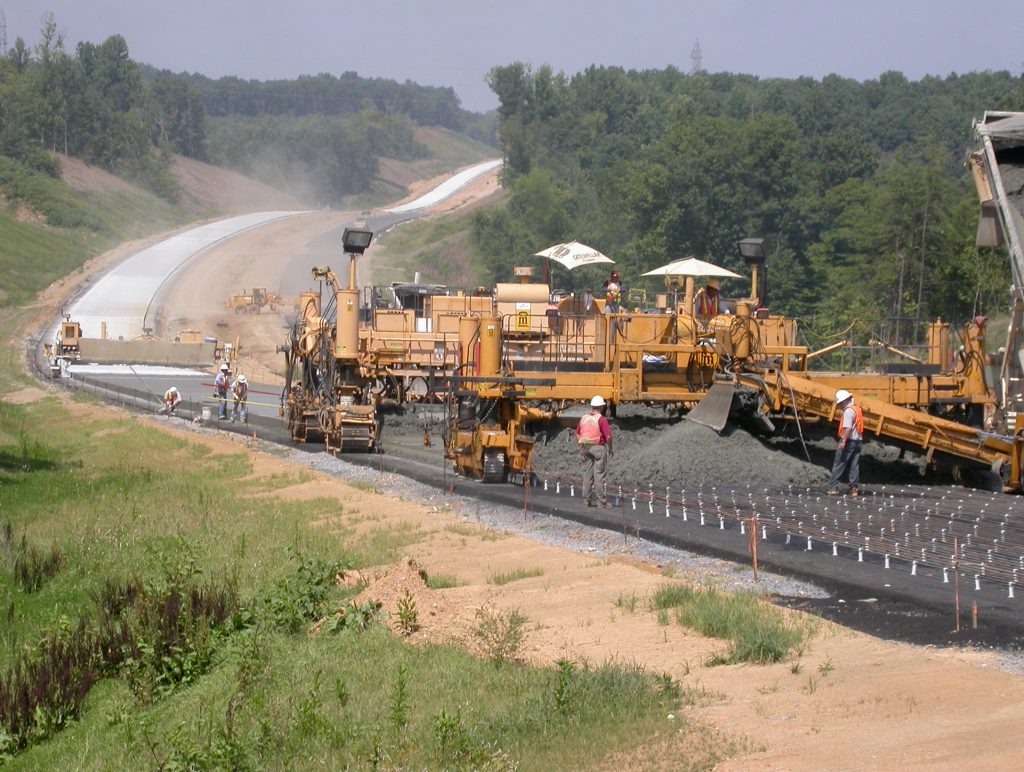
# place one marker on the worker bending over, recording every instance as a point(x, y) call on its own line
point(171, 400)
point(240, 391)
point(594, 436)
point(851, 437)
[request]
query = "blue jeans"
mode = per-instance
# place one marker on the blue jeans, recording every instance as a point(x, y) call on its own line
point(847, 458)
point(240, 411)
point(222, 410)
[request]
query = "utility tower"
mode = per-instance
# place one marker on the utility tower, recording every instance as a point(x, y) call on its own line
point(3, 33)
point(696, 59)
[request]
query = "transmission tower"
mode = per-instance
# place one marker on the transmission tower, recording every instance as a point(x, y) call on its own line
point(3, 33)
point(696, 59)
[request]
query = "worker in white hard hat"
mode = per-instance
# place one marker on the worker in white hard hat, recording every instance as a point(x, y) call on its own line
point(172, 398)
point(240, 392)
point(221, 387)
point(851, 437)
point(594, 436)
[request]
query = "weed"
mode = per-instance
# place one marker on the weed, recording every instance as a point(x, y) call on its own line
point(408, 619)
point(500, 633)
point(29, 565)
point(443, 581)
point(663, 616)
point(826, 667)
point(514, 575)
point(812, 685)
point(300, 597)
point(399, 709)
point(795, 668)
point(565, 670)
point(626, 602)
point(354, 617)
point(758, 632)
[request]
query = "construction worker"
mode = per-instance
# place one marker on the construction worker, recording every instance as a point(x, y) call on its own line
point(171, 400)
point(594, 436)
point(705, 302)
point(221, 386)
point(613, 293)
point(851, 437)
point(240, 391)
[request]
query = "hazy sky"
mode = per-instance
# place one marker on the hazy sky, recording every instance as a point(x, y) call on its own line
point(455, 42)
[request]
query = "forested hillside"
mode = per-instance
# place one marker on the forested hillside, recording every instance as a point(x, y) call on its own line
point(859, 188)
point(317, 137)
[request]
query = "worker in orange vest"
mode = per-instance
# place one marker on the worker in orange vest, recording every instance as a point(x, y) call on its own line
point(594, 436)
point(705, 302)
point(851, 437)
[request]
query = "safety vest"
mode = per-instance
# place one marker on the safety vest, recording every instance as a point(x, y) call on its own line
point(589, 432)
point(858, 422)
point(707, 305)
point(241, 390)
point(614, 293)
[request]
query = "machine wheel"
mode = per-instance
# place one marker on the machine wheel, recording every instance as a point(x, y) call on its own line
point(254, 309)
point(239, 309)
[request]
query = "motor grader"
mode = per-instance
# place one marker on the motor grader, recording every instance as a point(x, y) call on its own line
point(254, 302)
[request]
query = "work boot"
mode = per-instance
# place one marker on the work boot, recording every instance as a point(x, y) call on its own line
point(591, 503)
point(854, 490)
point(607, 505)
point(833, 492)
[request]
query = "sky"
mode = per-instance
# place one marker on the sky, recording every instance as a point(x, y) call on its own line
point(455, 42)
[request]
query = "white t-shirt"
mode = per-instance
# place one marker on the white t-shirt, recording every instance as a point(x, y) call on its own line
point(850, 422)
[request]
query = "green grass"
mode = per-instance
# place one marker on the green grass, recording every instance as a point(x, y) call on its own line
point(436, 247)
point(757, 631)
point(75, 227)
point(443, 581)
point(514, 576)
point(261, 692)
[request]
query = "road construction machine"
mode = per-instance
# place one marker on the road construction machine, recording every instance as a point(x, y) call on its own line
point(254, 302)
point(698, 367)
point(327, 395)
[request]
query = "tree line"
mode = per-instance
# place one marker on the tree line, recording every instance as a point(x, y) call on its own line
point(859, 188)
point(317, 136)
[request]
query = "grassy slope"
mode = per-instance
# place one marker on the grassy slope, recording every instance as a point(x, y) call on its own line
point(48, 230)
point(119, 498)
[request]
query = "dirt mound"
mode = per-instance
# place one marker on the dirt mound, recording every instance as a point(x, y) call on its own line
point(437, 620)
point(80, 176)
point(228, 191)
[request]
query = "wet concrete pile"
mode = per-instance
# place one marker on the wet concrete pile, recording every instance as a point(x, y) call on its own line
point(678, 454)
point(652, 448)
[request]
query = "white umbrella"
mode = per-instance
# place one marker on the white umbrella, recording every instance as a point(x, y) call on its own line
point(691, 266)
point(572, 254)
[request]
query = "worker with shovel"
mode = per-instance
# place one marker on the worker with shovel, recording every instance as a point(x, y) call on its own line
point(594, 436)
point(240, 391)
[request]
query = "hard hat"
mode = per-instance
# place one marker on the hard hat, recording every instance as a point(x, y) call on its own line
point(842, 395)
point(597, 401)
point(225, 366)
point(241, 379)
point(713, 282)
point(174, 389)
